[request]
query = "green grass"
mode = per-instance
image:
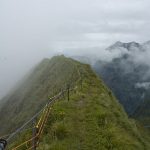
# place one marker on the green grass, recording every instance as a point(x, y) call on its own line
point(92, 119)
point(46, 79)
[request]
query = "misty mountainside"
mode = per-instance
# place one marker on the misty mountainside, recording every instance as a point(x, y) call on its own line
point(47, 79)
point(91, 119)
point(142, 113)
point(128, 76)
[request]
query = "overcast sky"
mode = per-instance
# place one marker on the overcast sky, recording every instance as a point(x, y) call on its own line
point(33, 29)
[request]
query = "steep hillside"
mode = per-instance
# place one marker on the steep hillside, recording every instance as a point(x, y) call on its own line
point(49, 77)
point(128, 76)
point(92, 119)
point(123, 76)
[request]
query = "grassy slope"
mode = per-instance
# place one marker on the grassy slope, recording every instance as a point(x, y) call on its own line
point(92, 119)
point(28, 97)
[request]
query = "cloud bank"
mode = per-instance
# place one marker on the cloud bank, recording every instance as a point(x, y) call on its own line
point(33, 29)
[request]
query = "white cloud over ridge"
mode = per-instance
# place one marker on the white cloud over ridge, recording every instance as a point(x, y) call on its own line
point(33, 29)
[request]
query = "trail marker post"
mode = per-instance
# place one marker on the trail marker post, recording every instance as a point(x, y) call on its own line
point(34, 133)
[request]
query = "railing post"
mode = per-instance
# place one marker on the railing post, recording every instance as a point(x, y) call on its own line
point(68, 88)
point(81, 81)
point(34, 133)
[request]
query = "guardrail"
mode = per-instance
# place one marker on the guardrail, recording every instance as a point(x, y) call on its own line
point(37, 130)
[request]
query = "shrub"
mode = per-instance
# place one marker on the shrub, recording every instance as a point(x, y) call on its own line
point(102, 120)
point(59, 130)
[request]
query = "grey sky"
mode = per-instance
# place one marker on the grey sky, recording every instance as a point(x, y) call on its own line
point(33, 29)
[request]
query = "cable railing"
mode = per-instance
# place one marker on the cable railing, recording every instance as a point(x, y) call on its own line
point(32, 142)
point(42, 116)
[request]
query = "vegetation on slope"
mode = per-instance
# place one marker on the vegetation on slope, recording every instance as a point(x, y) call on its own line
point(92, 119)
point(121, 75)
point(49, 77)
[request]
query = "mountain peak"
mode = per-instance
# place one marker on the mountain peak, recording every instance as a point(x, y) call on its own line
point(117, 44)
point(129, 46)
point(92, 112)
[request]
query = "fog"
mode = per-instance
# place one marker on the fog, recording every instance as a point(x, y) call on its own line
point(33, 29)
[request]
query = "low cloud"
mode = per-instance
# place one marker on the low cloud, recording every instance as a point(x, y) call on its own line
point(32, 30)
point(145, 85)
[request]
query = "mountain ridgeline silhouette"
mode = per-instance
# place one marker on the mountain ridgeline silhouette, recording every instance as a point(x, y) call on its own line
point(91, 119)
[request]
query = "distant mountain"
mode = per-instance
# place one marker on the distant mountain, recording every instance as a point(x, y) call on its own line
point(92, 119)
point(128, 46)
point(128, 76)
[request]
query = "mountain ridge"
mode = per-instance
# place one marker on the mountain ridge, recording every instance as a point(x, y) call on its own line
point(91, 119)
point(130, 46)
point(128, 77)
